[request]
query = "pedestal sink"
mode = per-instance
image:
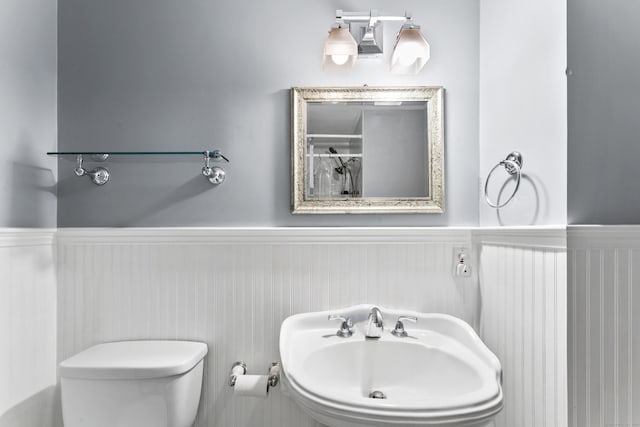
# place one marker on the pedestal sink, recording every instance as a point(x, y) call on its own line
point(440, 374)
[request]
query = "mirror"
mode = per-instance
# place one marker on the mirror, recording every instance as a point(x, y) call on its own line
point(367, 150)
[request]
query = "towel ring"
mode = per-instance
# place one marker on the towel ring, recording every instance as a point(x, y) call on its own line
point(513, 165)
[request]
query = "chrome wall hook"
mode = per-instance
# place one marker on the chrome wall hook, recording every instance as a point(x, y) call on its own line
point(216, 175)
point(99, 175)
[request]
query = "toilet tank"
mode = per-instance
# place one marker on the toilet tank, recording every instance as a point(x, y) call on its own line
point(133, 384)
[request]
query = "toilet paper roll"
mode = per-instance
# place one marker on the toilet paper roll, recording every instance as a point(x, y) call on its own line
point(251, 385)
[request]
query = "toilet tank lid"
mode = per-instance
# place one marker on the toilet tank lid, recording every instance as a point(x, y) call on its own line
point(134, 360)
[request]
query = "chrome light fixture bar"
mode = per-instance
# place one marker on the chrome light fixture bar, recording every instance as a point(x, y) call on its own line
point(359, 35)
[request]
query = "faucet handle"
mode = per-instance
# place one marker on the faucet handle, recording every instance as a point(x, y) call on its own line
point(399, 329)
point(346, 328)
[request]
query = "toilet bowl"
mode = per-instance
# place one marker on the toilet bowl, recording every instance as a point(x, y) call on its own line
point(133, 384)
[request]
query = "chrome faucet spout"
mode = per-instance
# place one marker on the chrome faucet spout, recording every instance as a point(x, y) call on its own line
point(375, 325)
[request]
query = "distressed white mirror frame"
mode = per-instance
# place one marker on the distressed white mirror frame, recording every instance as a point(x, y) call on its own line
point(432, 204)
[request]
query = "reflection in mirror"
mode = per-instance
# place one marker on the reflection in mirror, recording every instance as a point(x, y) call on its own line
point(367, 150)
point(393, 162)
point(334, 150)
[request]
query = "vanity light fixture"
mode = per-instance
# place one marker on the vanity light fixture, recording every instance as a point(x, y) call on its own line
point(411, 51)
point(340, 49)
point(359, 35)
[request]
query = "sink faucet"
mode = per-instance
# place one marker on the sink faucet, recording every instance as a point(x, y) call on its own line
point(374, 324)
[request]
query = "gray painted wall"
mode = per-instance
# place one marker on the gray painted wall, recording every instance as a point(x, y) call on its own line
point(604, 112)
point(196, 74)
point(27, 113)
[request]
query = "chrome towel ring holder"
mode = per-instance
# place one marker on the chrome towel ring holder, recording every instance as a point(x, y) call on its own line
point(513, 165)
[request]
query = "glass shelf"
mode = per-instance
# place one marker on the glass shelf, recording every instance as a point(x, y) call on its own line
point(103, 155)
point(131, 153)
point(100, 175)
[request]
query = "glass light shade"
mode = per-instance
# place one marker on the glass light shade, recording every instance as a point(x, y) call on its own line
point(410, 53)
point(340, 50)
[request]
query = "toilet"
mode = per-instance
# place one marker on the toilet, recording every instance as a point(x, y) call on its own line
point(133, 384)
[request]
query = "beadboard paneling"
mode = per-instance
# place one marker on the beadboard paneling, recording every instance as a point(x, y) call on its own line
point(603, 325)
point(27, 328)
point(523, 320)
point(232, 289)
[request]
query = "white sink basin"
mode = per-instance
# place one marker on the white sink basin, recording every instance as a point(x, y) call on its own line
point(441, 374)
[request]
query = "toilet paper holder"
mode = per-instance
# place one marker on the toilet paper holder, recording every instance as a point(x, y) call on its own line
point(240, 368)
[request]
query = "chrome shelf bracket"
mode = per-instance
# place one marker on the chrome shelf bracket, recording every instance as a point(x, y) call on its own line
point(215, 174)
point(99, 175)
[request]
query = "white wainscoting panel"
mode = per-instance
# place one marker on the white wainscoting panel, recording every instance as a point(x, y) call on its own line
point(27, 328)
point(604, 325)
point(232, 289)
point(523, 321)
